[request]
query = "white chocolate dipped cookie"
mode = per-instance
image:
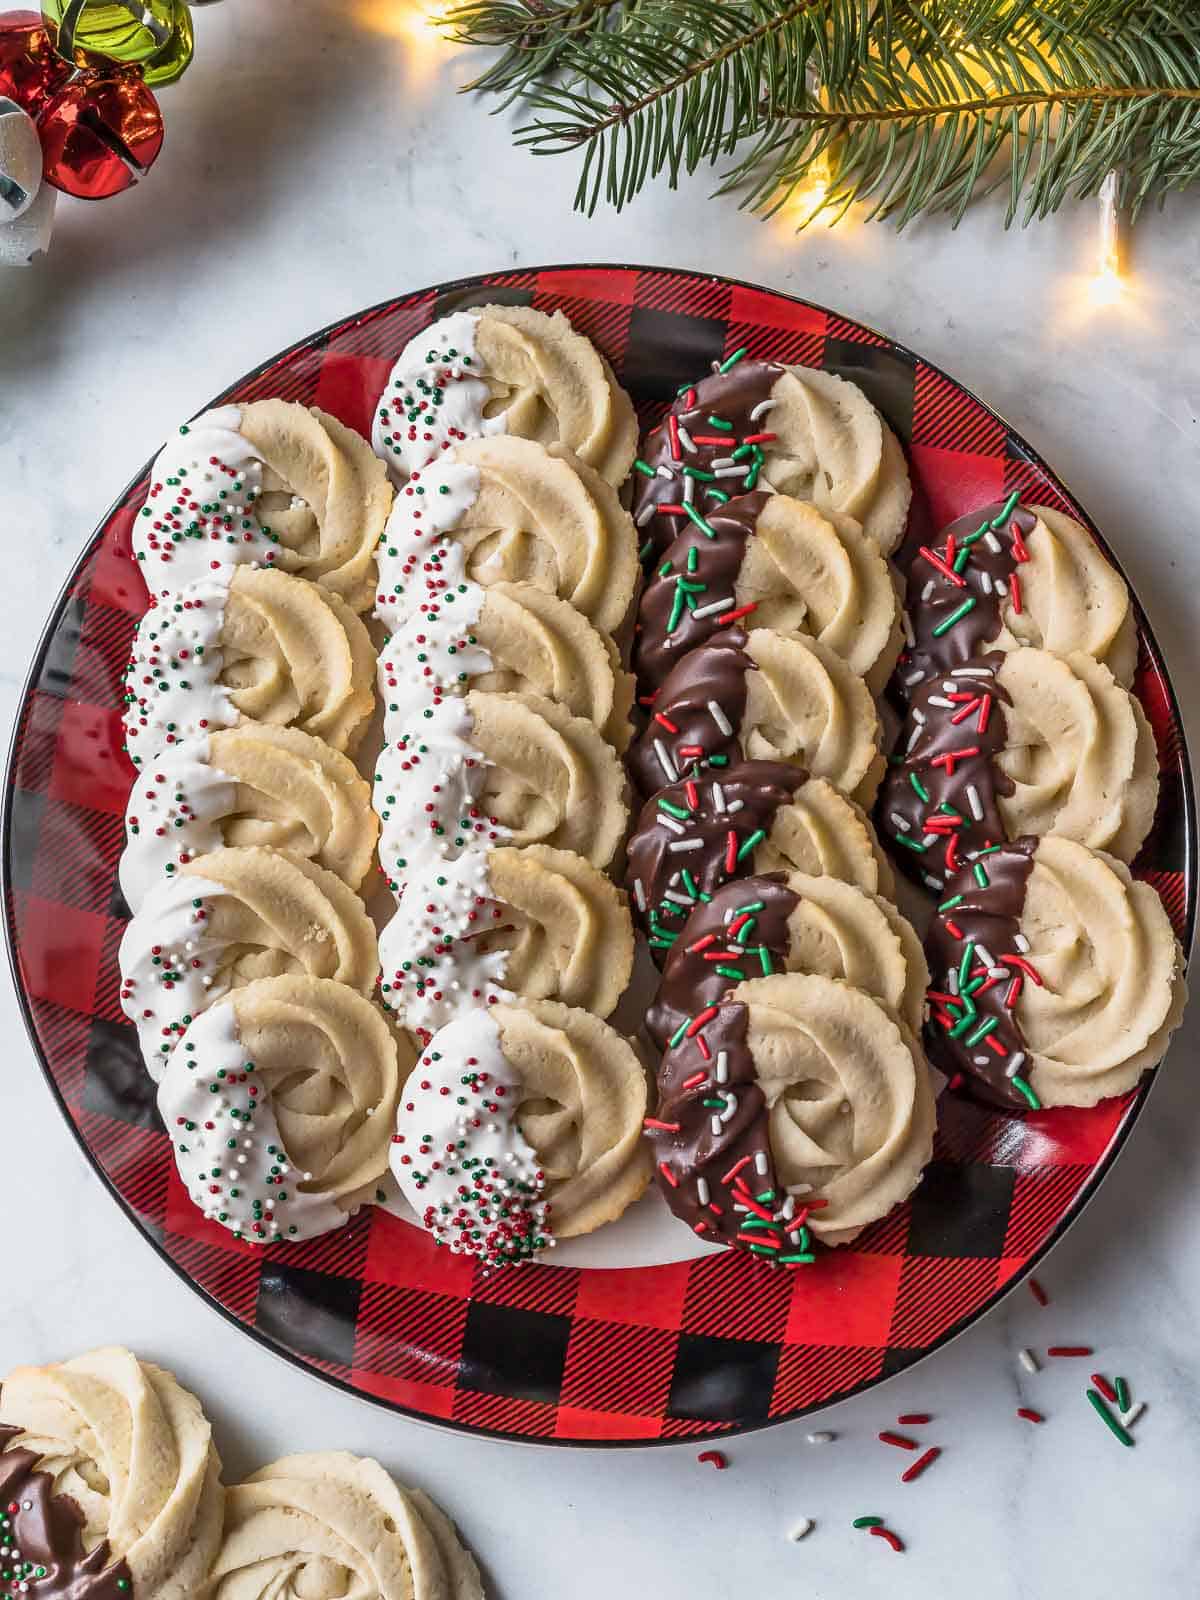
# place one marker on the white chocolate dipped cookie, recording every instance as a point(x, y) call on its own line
point(510, 637)
point(279, 1101)
point(224, 920)
point(329, 1524)
point(111, 1480)
point(1090, 976)
point(764, 696)
point(253, 783)
point(540, 1106)
point(506, 510)
point(247, 642)
point(770, 561)
point(270, 482)
point(494, 925)
point(760, 424)
point(504, 370)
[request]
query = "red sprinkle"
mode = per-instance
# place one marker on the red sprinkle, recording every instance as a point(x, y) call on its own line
point(1029, 1415)
point(759, 438)
point(698, 1021)
point(666, 722)
point(892, 1538)
point(1105, 1388)
point(694, 1082)
point(662, 1127)
point(668, 1174)
point(673, 430)
point(713, 1458)
point(914, 1419)
point(1038, 1293)
point(702, 943)
point(731, 850)
point(741, 611)
point(946, 571)
point(710, 438)
point(1020, 548)
point(898, 1439)
point(735, 1169)
point(1070, 1350)
point(1014, 589)
point(919, 1465)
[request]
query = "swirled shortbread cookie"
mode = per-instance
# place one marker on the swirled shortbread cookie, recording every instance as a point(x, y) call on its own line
point(279, 1101)
point(539, 1137)
point(1024, 743)
point(808, 434)
point(510, 637)
point(504, 370)
point(227, 918)
point(332, 1524)
point(250, 784)
point(789, 922)
point(497, 766)
point(1057, 978)
point(506, 511)
point(272, 483)
point(111, 1481)
point(785, 564)
point(758, 816)
point(499, 924)
point(1011, 575)
point(764, 696)
point(799, 1107)
point(246, 642)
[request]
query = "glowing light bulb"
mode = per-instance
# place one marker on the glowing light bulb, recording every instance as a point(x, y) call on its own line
point(1108, 285)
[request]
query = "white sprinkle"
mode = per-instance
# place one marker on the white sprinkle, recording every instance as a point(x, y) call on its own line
point(980, 1061)
point(762, 408)
point(719, 717)
point(702, 1193)
point(985, 581)
point(664, 472)
point(906, 623)
point(929, 840)
point(919, 716)
point(670, 822)
point(1015, 1062)
point(897, 821)
point(730, 472)
point(936, 700)
point(644, 515)
point(927, 590)
point(997, 972)
point(722, 1066)
point(689, 491)
point(949, 688)
point(714, 606)
point(722, 461)
point(970, 672)
point(930, 882)
point(678, 899)
point(760, 1163)
point(821, 1438)
point(1131, 1416)
point(806, 1524)
point(799, 1188)
point(717, 1126)
point(686, 844)
point(975, 803)
point(992, 543)
point(685, 439)
point(1029, 1361)
point(1021, 942)
point(718, 796)
point(665, 762)
point(912, 739)
point(913, 677)
point(952, 980)
point(1001, 587)
point(734, 807)
point(984, 955)
point(639, 894)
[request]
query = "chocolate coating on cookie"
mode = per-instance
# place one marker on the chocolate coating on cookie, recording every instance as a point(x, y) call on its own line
point(740, 932)
point(938, 806)
point(693, 836)
point(689, 595)
point(711, 428)
point(44, 1536)
point(696, 716)
point(978, 967)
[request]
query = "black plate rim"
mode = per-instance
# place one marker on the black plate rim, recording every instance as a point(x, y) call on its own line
point(448, 1424)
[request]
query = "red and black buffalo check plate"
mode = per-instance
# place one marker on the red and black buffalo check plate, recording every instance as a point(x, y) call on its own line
point(558, 1354)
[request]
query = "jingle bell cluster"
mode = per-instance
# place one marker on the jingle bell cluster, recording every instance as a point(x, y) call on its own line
point(78, 113)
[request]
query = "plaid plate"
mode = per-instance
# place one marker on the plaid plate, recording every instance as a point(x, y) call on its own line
point(699, 1347)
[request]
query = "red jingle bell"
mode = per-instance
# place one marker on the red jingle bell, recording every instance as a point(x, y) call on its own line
point(31, 70)
point(100, 134)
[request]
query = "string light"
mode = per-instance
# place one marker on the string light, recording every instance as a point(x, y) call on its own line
point(1108, 285)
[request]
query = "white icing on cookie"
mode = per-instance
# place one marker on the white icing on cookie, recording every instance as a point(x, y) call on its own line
point(420, 565)
point(460, 1157)
point(168, 965)
point(432, 397)
point(173, 815)
point(200, 511)
point(427, 787)
point(226, 1140)
point(171, 690)
point(431, 971)
point(431, 655)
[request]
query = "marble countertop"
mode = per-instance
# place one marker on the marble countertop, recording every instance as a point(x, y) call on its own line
point(317, 161)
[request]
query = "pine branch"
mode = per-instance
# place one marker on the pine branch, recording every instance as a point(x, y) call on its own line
point(923, 104)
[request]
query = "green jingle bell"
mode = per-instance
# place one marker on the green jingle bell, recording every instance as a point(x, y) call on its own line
point(155, 35)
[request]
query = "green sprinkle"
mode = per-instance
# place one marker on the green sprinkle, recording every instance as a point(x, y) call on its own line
point(867, 1522)
point(803, 1257)
point(689, 883)
point(1122, 1389)
point(708, 531)
point(729, 972)
point(673, 810)
point(644, 467)
point(719, 422)
point(646, 549)
point(680, 1031)
point(955, 616)
point(1010, 506)
point(665, 569)
point(981, 877)
point(1022, 1087)
point(750, 841)
point(764, 960)
point(919, 787)
point(700, 474)
point(732, 361)
point(1106, 1416)
point(961, 559)
point(751, 905)
point(954, 900)
point(964, 966)
point(910, 844)
point(988, 1025)
point(719, 496)
point(693, 557)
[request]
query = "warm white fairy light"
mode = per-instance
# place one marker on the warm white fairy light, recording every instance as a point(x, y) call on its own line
point(1108, 284)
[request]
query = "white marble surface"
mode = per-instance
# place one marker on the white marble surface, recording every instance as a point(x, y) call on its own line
point(313, 165)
